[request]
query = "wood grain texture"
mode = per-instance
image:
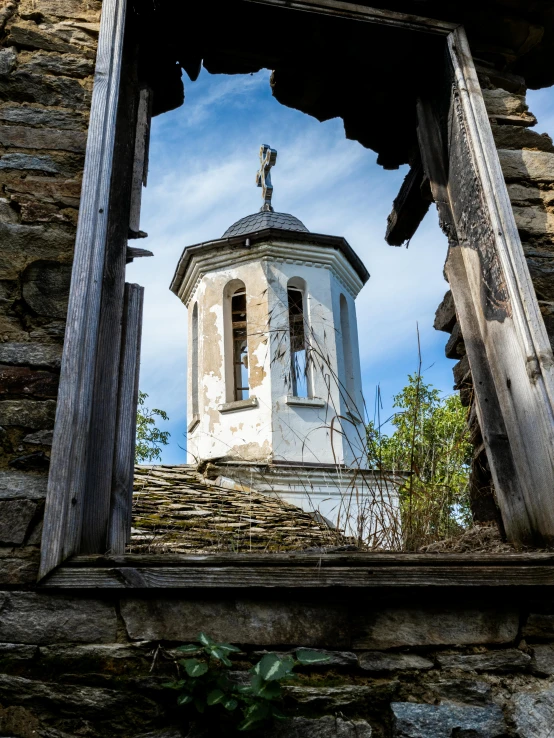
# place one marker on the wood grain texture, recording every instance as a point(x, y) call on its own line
point(505, 306)
point(102, 433)
point(409, 207)
point(322, 559)
point(302, 576)
point(341, 9)
point(124, 456)
point(140, 165)
point(515, 515)
point(63, 513)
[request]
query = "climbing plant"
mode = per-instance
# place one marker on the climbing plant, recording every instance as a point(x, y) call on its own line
point(206, 686)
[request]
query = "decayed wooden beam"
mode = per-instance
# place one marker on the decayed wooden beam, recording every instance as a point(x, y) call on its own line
point(301, 577)
point(66, 482)
point(140, 166)
point(505, 308)
point(100, 452)
point(320, 560)
point(341, 9)
point(135, 253)
point(124, 457)
point(409, 207)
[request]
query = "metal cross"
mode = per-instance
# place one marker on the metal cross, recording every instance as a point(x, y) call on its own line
point(268, 157)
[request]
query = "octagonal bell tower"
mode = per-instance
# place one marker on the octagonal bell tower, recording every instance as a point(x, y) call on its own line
point(274, 382)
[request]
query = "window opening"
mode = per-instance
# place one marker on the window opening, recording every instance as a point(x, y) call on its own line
point(240, 345)
point(348, 379)
point(194, 360)
point(298, 352)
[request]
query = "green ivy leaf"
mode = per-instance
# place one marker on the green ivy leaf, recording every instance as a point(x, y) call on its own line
point(254, 715)
point(215, 697)
point(200, 706)
point(227, 647)
point(230, 703)
point(184, 699)
point(205, 640)
point(195, 668)
point(272, 667)
point(307, 657)
point(218, 653)
point(189, 648)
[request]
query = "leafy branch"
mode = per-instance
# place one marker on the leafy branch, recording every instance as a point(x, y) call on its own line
point(150, 438)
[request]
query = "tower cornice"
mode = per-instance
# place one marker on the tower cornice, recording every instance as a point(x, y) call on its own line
point(331, 252)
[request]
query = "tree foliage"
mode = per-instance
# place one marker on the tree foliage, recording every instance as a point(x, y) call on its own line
point(150, 438)
point(430, 444)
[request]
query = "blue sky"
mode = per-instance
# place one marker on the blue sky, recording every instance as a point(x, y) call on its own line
point(203, 160)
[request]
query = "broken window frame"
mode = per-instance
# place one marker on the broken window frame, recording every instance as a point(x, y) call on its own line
point(239, 350)
point(301, 385)
point(81, 504)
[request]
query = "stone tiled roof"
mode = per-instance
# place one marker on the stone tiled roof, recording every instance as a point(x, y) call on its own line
point(177, 510)
point(264, 219)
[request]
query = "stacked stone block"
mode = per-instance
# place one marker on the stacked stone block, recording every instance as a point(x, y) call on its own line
point(89, 666)
point(47, 57)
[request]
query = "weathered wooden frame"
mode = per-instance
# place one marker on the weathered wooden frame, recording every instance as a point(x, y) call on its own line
point(300, 571)
point(72, 435)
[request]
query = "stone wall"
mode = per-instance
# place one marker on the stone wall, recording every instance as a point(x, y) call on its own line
point(46, 72)
point(527, 160)
point(81, 665)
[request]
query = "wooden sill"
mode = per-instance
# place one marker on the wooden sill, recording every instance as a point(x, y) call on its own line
point(304, 571)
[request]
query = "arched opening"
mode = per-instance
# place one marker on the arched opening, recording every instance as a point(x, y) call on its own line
point(347, 382)
point(236, 342)
point(299, 361)
point(194, 361)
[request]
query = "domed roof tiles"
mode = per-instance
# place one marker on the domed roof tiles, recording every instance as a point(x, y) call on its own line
point(264, 219)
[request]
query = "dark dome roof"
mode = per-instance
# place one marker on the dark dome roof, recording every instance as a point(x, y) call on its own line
point(264, 219)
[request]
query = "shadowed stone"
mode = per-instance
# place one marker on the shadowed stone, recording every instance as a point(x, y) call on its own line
point(93, 702)
point(537, 165)
point(15, 518)
point(8, 58)
point(499, 661)
point(446, 721)
point(468, 691)
point(36, 415)
point(533, 713)
point(41, 356)
point(46, 288)
point(334, 658)
point(543, 660)
point(239, 621)
point(348, 695)
point(325, 727)
point(26, 617)
point(395, 628)
point(378, 661)
point(17, 485)
point(539, 625)
point(18, 566)
point(68, 65)
point(39, 162)
point(31, 115)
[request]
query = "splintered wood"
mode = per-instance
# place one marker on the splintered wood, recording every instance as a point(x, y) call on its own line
point(176, 510)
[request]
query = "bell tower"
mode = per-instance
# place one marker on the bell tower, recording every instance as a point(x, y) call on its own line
point(274, 383)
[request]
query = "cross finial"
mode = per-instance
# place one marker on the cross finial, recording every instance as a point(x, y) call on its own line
point(268, 157)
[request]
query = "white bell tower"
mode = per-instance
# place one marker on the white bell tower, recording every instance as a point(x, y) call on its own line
point(274, 391)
